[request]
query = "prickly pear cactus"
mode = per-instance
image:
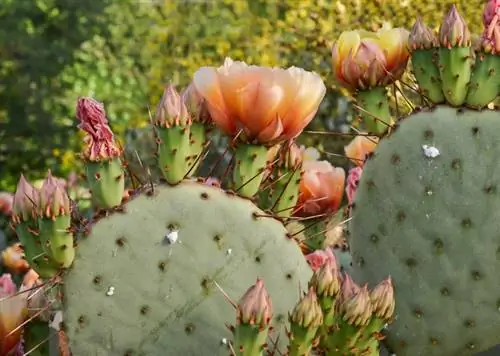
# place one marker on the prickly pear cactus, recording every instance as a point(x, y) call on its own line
point(426, 213)
point(146, 279)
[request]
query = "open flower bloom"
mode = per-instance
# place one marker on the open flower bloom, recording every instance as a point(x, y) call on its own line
point(362, 59)
point(14, 260)
point(359, 148)
point(13, 308)
point(264, 104)
point(321, 188)
point(318, 258)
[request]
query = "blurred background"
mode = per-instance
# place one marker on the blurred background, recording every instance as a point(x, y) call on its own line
point(123, 52)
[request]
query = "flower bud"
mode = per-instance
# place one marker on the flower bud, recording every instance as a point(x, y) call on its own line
point(255, 307)
point(357, 310)
point(195, 104)
point(348, 288)
point(326, 279)
point(454, 31)
point(54, 200)
point(382, 297)
point(422, 37)
point(26, 200)
point(12, 314)
point(171, 109)
point(307, 313)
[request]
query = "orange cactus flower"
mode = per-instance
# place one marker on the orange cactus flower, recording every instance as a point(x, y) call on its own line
point(13, 259)
point(321, 188)
point(262, 104)
point(13, 308)
point(362, 59)
point(359, 148)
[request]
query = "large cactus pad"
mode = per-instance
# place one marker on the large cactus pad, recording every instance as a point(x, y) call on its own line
point(427, 212)
point(135, 290)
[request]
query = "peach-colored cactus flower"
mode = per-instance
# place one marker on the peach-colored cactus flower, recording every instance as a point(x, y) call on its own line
point(266, 105)
point(6, 202)
point(14, 260)
point(321, 188)
point(363, 59)
point(13, 309)
point(359, 148)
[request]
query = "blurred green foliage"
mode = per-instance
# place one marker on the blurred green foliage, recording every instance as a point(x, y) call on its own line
point(123, 52)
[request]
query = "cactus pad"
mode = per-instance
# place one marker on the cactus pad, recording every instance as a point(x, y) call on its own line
point(136, 290)
point(426, 213)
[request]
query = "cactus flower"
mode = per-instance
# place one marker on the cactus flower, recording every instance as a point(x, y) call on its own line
point(260, 104)
point(307, 313)
point(363, 60)
point(54, 199)
point(321, 188)
point(255, 307)
point(454, 31)
point(14, 260)
point(195, 104)
point(171, 109)
point(357, 310)
point(6, 202)
point(422, 36)
point(382, 297)
point(318, 258)
point(13, 307)
point(26, 200)
point(309, 153)
point(326, 279)
point(353, 178)
point(100, 142)
point(360, 147)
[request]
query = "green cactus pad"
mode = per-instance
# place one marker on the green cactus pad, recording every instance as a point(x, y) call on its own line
point(455, 72)
point(424, 62)
point(375, 114)
point(174, 152)
point(485, 80)
point(426, 213)
point(251, 161)
point(165, 300)
point(106, 181)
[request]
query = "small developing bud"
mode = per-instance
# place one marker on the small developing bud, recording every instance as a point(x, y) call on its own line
point(291, 156)
point(357, 310)
point(195, 104)
point(422, 37)
point(348, 288)
point(454, 31)
point(26, 200)
point(100, 143)
point(171, 110)
point(307, 313)
point(382, 297)
point(54, 200)
point(255, 307)
point(326, 279)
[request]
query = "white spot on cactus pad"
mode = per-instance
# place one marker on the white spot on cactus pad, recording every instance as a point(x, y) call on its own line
point(430, 151)
point(224, 341)
point(229, 251)
point(111, 291)
point(172, 236)
point(57, 320)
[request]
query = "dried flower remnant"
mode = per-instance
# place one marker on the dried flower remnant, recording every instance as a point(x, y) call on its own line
point(100, 143)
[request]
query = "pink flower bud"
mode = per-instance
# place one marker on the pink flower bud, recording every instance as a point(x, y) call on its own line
point(454, 31)
point(26, 200)
point(353, 178)
point(382, 297)
point(195, 104)
point(54, 200)
point(12, 314)
point(307, 313)
point(255, 307)
point(357, 310)
point(171, 109)
point(422, 37)
point(6, 202)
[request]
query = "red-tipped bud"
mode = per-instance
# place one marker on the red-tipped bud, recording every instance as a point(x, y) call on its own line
point(171, 109)
point(382, 297)
point(307, 313)
point(422, 37)
point(255, 307)
point(357, 310)
point(100, 143)
point(454, 31)
point(54, 200)
point(26, 200)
